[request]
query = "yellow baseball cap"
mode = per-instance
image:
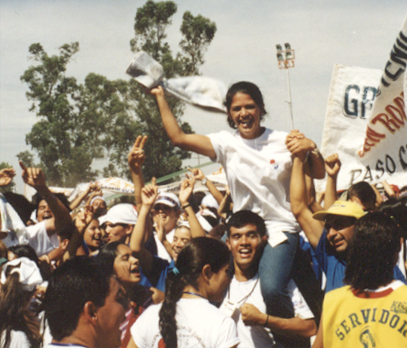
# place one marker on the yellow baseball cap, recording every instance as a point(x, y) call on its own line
point(344, 208)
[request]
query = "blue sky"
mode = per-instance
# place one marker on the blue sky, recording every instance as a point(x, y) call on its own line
point(322, 32)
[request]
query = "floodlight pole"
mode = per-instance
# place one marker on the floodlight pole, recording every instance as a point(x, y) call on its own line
point(285, 61)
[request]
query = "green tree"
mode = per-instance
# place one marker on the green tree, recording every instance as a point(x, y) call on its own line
point(101, 118)
point(27, 158)
point(73, 117)
point(151, 22)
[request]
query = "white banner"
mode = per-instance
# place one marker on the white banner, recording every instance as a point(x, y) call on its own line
point(351, 96)
point(384, 149)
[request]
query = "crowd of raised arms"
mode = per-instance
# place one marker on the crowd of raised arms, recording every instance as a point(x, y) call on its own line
point(260, 262)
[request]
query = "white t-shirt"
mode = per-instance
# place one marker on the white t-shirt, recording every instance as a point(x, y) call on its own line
point(199, 324)
point(258, 173)
point(18, 339)
point(40, 241)
point(249, 291)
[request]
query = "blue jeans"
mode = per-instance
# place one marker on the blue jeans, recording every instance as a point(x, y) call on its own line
point(274, 270)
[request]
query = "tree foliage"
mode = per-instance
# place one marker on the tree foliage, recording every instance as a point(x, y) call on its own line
point(98, 119)
point(151, 22)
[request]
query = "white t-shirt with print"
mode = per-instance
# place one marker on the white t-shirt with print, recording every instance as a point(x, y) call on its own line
point(199, 325)
point(249, 291)
point(258, 172)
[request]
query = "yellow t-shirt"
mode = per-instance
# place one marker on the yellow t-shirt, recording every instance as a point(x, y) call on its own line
point(371, 319)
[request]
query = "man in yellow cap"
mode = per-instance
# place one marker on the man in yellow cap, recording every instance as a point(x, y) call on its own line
point(329, 232)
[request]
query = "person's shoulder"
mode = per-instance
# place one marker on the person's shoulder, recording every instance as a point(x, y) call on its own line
point(18, 339)
point(337, 294)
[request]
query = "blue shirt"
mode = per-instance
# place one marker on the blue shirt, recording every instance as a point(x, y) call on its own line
point(157, 277)
point(334, 266)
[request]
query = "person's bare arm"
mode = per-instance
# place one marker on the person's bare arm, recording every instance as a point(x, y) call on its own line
point(312, 228)
point(379, 197)
point(319, 340)
point(187, 186)
point(82, 220)
point(36, 178)
point(389, 190)
point(192, 142)
point(297, 143)
point(199, 175)
point(149, 194)
point(252, 316)
point(226, 206)
point(311, 200)
point(332, 167)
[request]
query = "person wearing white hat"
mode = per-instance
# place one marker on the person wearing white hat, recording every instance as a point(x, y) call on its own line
point(119, 223)
point(18, 326)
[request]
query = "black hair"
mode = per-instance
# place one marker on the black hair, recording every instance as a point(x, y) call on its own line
point(364, 192)
point(372, 252)
point(25, 250)
point(66, 231)
point(37, 198)
point(247, 88)
point(20, 204)
point(76, 282)
point(191, 260)
point(245, 217)
point(107, 255)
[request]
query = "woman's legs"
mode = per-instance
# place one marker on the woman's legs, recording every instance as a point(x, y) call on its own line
point(274, 270)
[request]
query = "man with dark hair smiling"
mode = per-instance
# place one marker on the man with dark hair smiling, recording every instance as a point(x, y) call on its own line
point(84, 307)
point(371, 310)
point(329, 232)
point(244, 302)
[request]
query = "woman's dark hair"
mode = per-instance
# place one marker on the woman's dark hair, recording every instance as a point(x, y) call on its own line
point(191, 260)
point(372, 252)
point(364, 192)
point(106, 257)
point(14, 314)
point(247, 88)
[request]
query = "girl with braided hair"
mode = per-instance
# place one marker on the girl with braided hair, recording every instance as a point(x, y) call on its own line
point(186, 318)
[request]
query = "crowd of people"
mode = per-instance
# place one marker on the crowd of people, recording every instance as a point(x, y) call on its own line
point(262, 263)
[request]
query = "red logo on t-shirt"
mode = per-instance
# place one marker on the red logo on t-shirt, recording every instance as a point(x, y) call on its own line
point(272, 161)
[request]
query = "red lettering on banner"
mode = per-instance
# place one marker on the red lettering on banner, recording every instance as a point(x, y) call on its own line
point(374, 138)
point(393, 119)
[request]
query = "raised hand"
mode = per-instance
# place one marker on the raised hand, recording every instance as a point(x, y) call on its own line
point(298, 145)
point(83, 219)
point(332, 165)
point(197, 173)
point(33, 176)
point(136, 155)
point(149, 193)
point(156, 91)
point(187, 186)
point(6, 176)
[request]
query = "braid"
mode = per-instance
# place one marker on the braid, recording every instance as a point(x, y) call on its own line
point(168, 324)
